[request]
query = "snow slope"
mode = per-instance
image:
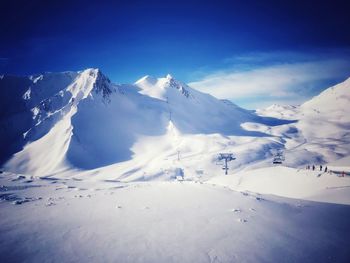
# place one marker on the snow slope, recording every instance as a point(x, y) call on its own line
point(26, 102)
point(321, 134)
point(333, 103)
point(293, 183)
point(325, 122)
point(79, 221)
point(47, 137)
point(192, 111)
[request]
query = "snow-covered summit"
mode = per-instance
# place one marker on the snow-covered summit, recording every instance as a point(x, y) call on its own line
point(169, 76)
point(160, 88)
point(146, 79)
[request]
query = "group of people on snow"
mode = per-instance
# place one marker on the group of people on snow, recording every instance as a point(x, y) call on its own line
point(326, 170)
point(313, 167)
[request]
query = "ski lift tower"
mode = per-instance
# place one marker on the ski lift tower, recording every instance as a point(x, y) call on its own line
point(278, 158)
point(227, 157)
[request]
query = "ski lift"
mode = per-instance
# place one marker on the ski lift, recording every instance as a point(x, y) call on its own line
point(227, 157)
point(278, 158)
point(179, 174)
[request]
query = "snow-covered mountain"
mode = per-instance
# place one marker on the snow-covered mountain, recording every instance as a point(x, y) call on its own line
point(332, 104)
point(322, 133)
point(60, 123)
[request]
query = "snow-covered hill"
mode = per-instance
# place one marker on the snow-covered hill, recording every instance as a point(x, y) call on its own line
point(332, 104)
point(279, 111)
point(322, 133)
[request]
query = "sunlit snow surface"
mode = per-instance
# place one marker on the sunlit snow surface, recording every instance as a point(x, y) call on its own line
point(188, 221)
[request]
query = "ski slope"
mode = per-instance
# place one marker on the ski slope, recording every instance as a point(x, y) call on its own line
point(68, 220)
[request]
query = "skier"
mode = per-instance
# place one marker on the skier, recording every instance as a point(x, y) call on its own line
point(320, 167)
point(325, 169)
point(313, 167)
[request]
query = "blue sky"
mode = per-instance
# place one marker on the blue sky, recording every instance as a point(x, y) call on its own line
point(231, 49)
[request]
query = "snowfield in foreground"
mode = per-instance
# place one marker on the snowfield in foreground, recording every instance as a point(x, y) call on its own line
point(59, 220)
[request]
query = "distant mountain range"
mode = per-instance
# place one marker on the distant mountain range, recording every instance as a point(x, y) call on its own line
point(81, 123)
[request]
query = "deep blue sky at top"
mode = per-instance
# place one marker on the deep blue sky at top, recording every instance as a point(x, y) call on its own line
point(129, 39)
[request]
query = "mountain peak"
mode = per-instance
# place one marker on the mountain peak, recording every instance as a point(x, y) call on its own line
point(90, 71)
point(153, 80)
point(159, 87)
point(102, 84)
point(146, 79)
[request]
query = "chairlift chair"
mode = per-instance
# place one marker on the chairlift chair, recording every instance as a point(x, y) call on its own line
point(278, 158)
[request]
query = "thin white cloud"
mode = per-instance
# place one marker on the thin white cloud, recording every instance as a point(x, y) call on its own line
point(278, 82)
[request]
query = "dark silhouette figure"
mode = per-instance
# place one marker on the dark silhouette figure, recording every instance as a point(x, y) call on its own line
point(320, 167)
point(313, 168)
point(325, 169)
